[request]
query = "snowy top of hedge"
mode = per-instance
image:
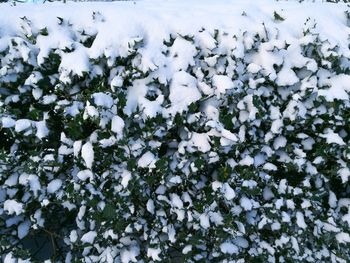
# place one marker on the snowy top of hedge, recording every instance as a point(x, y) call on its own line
point(118, 22)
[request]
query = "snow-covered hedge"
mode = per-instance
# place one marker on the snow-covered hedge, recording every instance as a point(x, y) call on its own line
point(133, 137)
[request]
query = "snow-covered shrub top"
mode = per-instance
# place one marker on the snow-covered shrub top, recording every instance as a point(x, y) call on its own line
point(139, 132)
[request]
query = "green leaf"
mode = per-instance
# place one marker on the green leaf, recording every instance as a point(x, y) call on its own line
point(109, 211)
point(44, 31)
point(277, 16)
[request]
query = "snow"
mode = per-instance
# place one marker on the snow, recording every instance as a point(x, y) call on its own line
point(268, 194)
point(300, 220)
point(117, 81)
point(204, 221)
point(129, 255)
point(147, 160)
point(332, 137)
point(73, 236)
point(150, 206)
point(241, 242)
point(216, 218)
point(87, 152)
point(13, 207)
point(222, 83)
point(23, 229)
point(126, 177)
point(332, 200)
point(48, 99)
point(200, 141)
point(338, 87)
point(103, 100)
point(31, 179)
point(89, 237)
point(54, 185)
point(343, 237)
point(276, 126)
point(175, 180)
point(165, 80)
point(85, 174)
point(247, 161)
point(270, 167)
point(182, 53)
point(117, 126)
point(176, 201)
point(41, 130)
point(229, 135)
point(246, 203)
point(8, 122)
point(22, 125)
point(229, 193)
point(229, 248)
point(286, 77)
point(344, 174)
point(137, 91)
point(279, 142)
point(37, 93)
point(183, 92)
point(90, 111)
point(187, 249)
point(9, 258)
point(154, 253)
point(11, 180)
point(76, 148)
point(76, 62)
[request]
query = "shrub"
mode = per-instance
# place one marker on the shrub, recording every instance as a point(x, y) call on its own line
point(227, 147)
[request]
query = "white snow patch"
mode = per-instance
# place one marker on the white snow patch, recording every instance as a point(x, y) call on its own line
point(147, 160)
point(117, 126)
point(103, 100)
point(129, 255)
point(154, 253)
point(229, 193)
point(183, 92)
point(85, 174)
point(89, 237)
point(246, 203)
point(41, 130)
point(22, 125)
point(176, 201)
point(247, 161)
point(343, 237)
point(204, 220)
point(87, 152)
point(300, 220)
point(222, 83)
point(54, 185)
point(8, 122)
point(229, 248)
point(332, 137)
point(150, 206)
point(23, 229)
point(279, 142)
point(126, 177)
point(200, 141)
point(13, 207)
point(73, 236)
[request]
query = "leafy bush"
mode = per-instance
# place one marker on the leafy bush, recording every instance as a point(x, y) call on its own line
point(241, 154)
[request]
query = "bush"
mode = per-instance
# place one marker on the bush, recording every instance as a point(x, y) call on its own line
point(228, 147)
